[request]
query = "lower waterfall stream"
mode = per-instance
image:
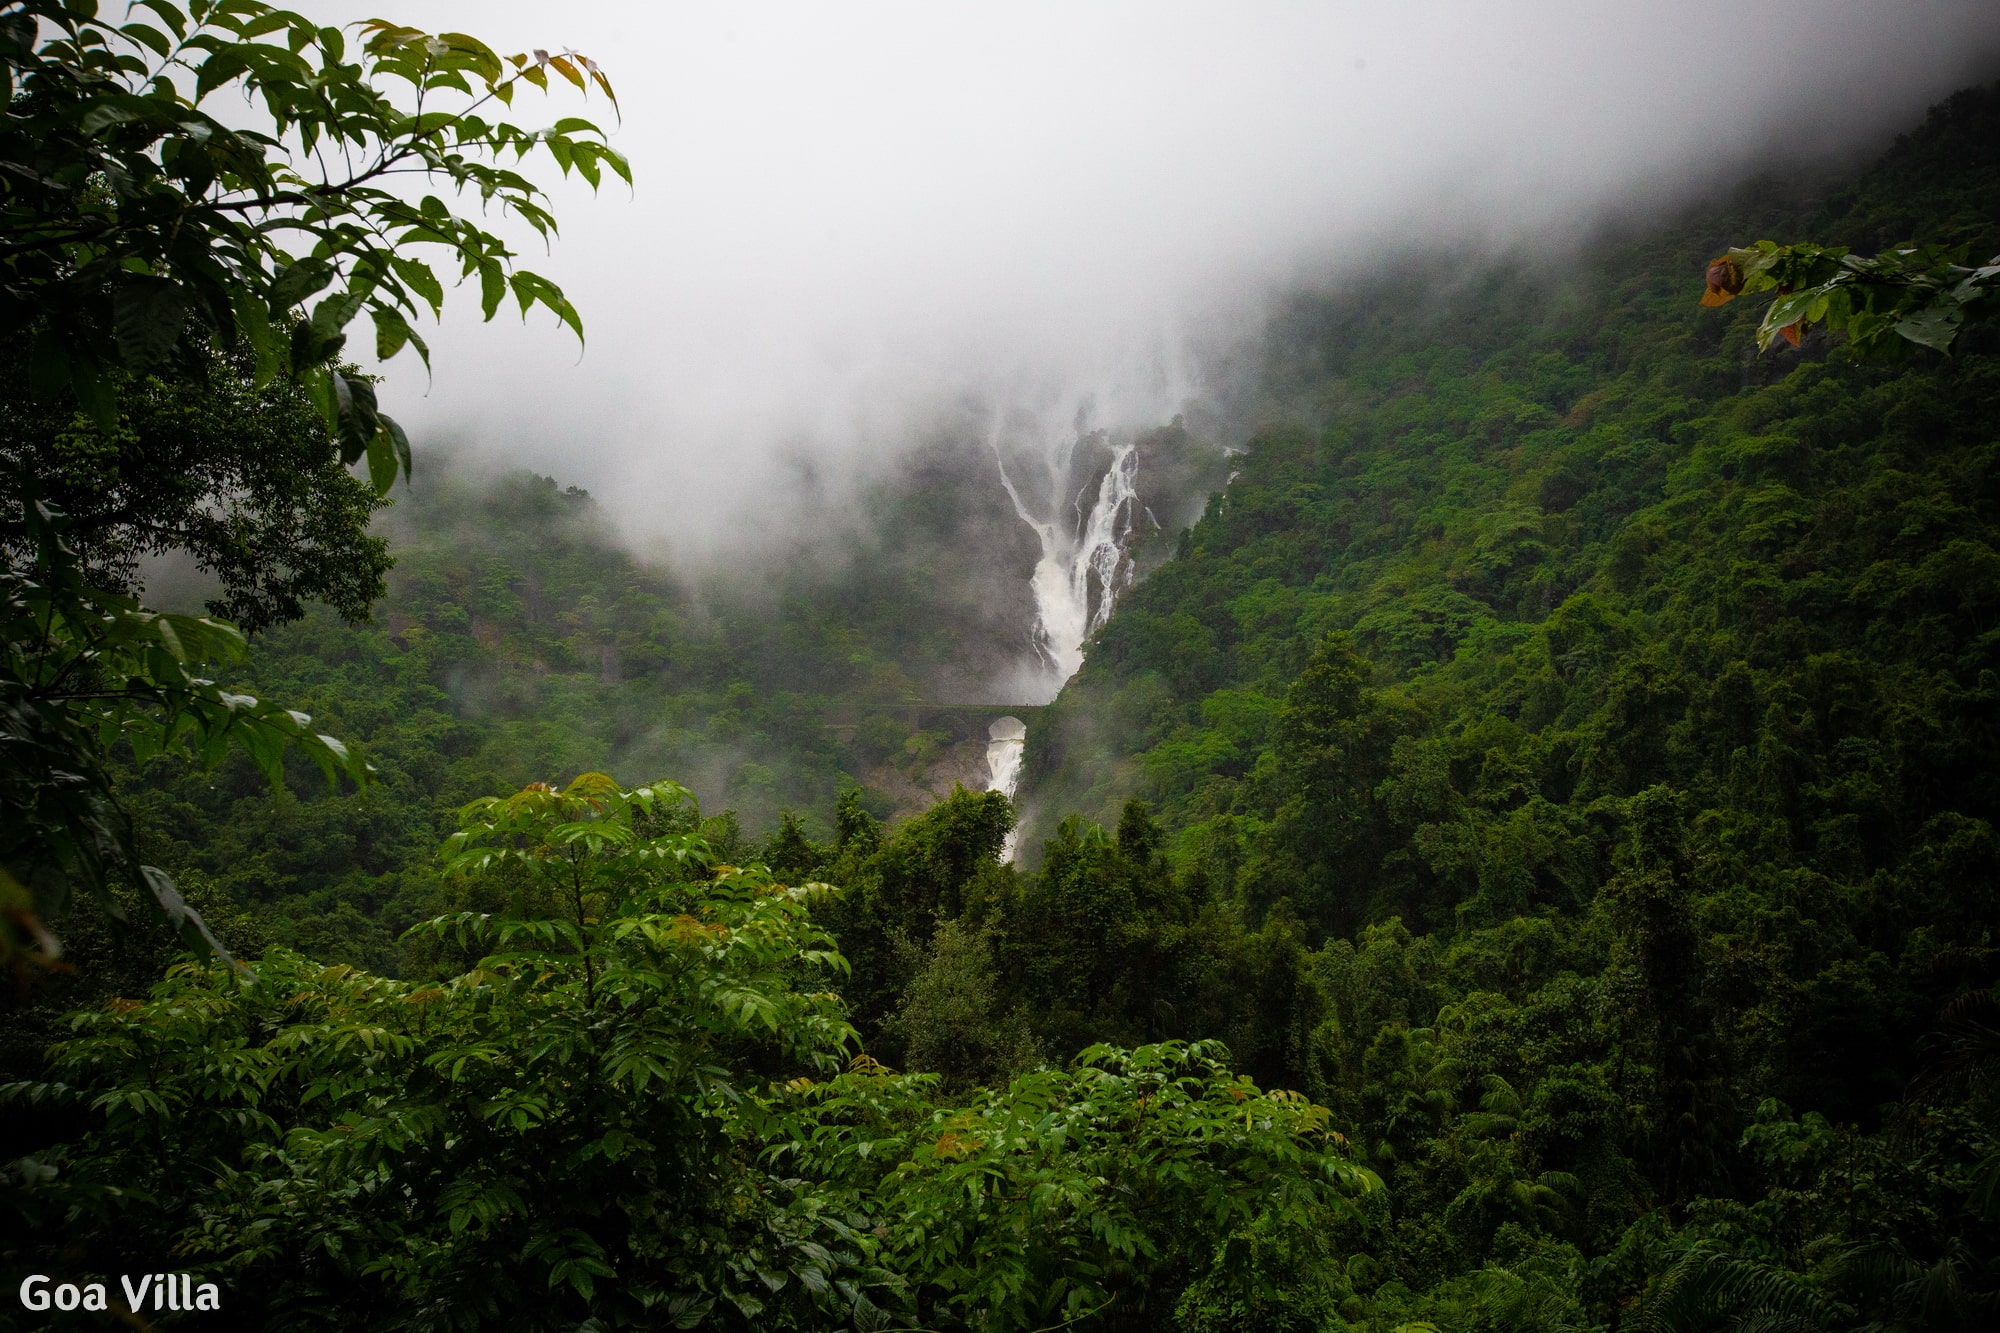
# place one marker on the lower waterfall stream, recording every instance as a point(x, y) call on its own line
point(1006, 742)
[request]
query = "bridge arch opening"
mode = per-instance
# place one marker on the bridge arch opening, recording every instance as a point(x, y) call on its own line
point(1006, 740)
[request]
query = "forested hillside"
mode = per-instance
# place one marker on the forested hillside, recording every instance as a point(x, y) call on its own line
point(521, 641)
point(1621, 706)
point(1526, 862)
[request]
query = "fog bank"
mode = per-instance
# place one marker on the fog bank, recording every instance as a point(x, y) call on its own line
point(853, 222)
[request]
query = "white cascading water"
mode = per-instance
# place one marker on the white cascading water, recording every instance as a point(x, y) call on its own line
point(1082, 569)
point(1083, 565)
point(1075, 484)
point(1005, 742)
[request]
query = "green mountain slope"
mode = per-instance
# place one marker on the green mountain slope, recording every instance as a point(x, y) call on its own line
point(521, 641)
point(1571, 760)
point(1583, 541)
point(1575, 754)
point(1565, 752)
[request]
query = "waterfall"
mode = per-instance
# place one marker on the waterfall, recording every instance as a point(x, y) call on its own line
point(1082, 569)
point(1083, 565)
point(1006, 740)
point(1069, 462)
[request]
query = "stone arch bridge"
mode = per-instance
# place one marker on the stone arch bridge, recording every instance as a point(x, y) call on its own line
point(959, 722)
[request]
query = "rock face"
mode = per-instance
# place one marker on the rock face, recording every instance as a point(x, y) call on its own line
point(978, 747)
point(916, 787)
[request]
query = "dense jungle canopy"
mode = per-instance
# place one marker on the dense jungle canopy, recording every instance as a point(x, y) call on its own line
point(1525, 861)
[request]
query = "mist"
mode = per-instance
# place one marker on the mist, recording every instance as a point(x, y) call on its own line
point(853, 223)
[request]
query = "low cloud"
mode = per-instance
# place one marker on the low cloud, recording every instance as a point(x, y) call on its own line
point(854, 222)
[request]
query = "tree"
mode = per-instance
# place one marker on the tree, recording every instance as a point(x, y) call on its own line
point(153, 254)
point(132, 216)
point(637, 1109)
point(558, 1128)
point(237, 476)
point(900, 887)
point(1090, 1195)
point(82, 670)
point(1652, 903)
point(1327, 750)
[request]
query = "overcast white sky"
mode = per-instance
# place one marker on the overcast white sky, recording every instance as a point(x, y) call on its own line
point(848, 213)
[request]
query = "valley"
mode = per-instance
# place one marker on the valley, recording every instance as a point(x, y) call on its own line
point(1492, 831)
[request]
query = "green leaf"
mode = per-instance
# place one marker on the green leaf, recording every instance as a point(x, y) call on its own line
point(149, 37)
point(420, 278)
point(296, 282)
point(392, 332)
point(480, 56)
point(147, 314)
point(492, 286)
point(170, 14)
point(689, 1311)
point(318, 384)
point(401, 442)
point(1934, 326)
point(357, 422)
point(253, 322)
point(382, 461)
point(186, 922)
point(532, 289)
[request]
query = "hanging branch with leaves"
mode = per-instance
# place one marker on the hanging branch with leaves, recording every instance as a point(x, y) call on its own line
point(132, 217)
point(81, 671)
point(1923, 295)
point(143, 225)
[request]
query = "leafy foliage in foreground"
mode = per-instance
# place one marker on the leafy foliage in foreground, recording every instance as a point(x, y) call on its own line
point(1922, 295)
point(83, 671)
point(150, 249)
point(1566, 759)
point(636, 1111)
point(133, 217)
